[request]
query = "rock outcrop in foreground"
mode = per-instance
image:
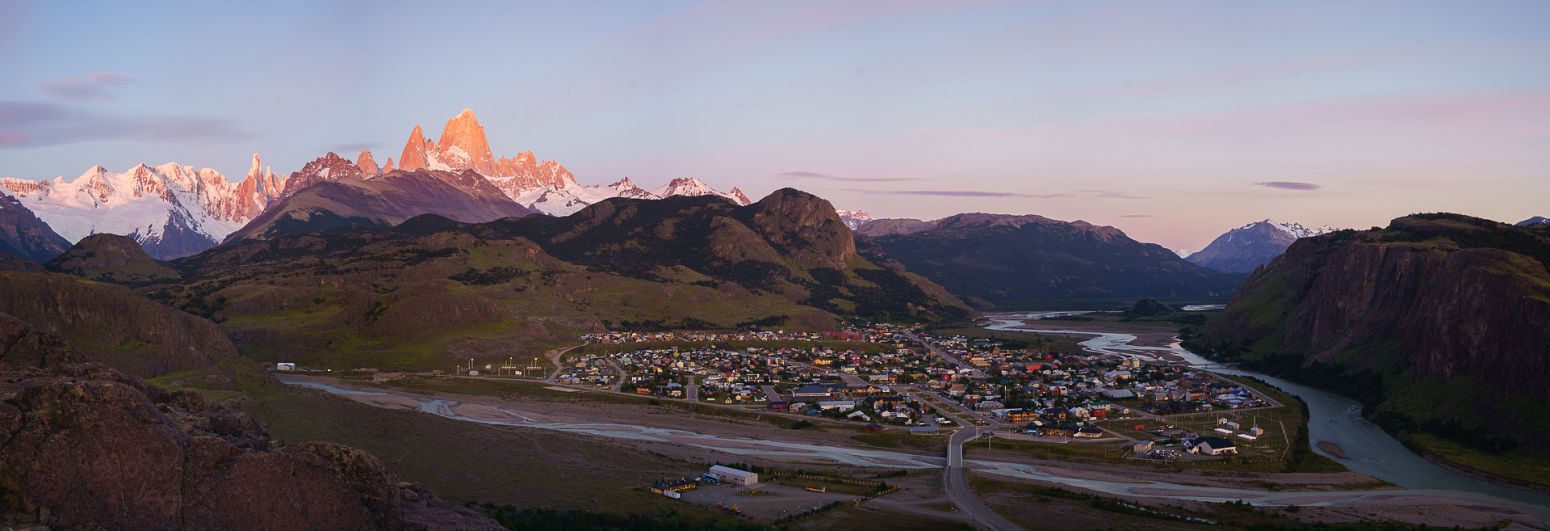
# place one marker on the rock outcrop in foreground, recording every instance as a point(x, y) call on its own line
point(87, 447)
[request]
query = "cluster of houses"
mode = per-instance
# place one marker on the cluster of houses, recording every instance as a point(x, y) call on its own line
point(1168, 442)
point(1042, 393)
point(853, 333)
point(1025, 384)
point(591, 369)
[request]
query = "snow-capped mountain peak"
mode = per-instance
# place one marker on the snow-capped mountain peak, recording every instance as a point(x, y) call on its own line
point(171, 209)
point(1294, 230)
point(1245, 248)
point(854, 218)
point(694, 187)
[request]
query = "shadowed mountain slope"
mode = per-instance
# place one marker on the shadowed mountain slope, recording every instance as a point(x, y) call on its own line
point(1006, 261)
point(1438, 323)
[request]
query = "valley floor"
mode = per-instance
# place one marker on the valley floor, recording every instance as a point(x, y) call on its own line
point(588, 458)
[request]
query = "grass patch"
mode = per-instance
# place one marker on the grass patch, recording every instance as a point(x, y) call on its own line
point(1532, 467)
point(902, 440)
point(467, 462)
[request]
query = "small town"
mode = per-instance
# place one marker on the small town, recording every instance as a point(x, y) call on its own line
point(893, 377)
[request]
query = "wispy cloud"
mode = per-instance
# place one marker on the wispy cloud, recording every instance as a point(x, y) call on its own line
point(1135, 215)
point(828, 177)
point(94, 86)
point(954, 193)
point(1110, 194)
point(26, 124)
point(1288, 185)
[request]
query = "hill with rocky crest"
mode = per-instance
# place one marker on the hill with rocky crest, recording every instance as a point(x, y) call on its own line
point(111, 258)
point(433, 290)
point(1438, 323)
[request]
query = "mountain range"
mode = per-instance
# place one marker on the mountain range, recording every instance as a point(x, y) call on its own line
point(432, 289)
point(1437, 323)
point(172, 210)
point(1242, 249)
point(1008, 261)
point(175, 210)
point(1536, 220)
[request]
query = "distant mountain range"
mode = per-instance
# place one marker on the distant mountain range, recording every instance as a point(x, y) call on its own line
point(171, 209)
point(332, 193)
point(1007, 261)
point(175, 210)
point(1242, 249)
point(1438, 323)
point(1536, 220)
point(546, 187)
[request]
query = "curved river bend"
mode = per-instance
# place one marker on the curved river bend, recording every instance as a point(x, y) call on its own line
point(1334, 418)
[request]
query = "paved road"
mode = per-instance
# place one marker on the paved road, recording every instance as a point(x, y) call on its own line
point(852, 380)
point(555, 357)
point(955, 480)
point(771, 393)
point(956, 483)
point(956, 363)
point(692, 392)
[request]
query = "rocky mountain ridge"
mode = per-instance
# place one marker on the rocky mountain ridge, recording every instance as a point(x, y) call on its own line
point(1007, 261)
point(333, 192)
point(172, 210)
point(545, 186)
point(431, 289)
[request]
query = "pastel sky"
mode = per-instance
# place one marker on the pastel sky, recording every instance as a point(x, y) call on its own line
point(1171, 120)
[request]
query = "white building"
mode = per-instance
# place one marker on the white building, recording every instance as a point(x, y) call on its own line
point(733, 475)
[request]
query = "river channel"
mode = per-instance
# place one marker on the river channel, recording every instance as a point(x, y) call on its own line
point(1332, 417)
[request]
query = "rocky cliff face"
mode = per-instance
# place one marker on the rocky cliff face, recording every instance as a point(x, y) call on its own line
point(1396, 316)
point(86, 447)
point(367, 164)
point(804, 227)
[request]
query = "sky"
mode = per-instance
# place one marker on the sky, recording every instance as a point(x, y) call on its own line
point(1173, 121)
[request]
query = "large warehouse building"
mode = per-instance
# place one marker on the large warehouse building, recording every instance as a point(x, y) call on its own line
point(733, 475)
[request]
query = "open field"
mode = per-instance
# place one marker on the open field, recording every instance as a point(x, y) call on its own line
point(464, 462)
